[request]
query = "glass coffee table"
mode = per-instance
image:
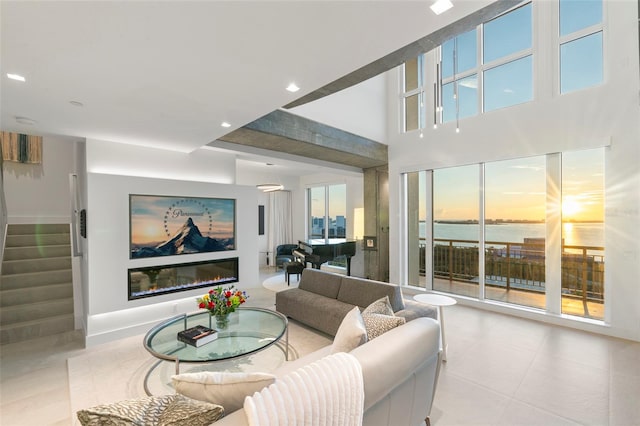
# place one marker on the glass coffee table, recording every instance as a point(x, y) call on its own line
point(250, 330)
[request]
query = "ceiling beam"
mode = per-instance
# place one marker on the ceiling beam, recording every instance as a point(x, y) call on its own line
point(284, 132)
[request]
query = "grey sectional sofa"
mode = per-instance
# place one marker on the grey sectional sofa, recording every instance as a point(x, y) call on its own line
point(322, 299)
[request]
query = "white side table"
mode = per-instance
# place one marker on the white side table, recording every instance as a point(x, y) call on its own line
point(439, 301)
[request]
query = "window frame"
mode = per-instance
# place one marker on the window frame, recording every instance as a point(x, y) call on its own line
point(419, 91)
point(577, 35)
point(482, 67)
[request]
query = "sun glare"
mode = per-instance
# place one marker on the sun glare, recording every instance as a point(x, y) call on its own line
point(570, 207)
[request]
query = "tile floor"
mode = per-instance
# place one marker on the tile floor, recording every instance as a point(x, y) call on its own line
point(501, 370)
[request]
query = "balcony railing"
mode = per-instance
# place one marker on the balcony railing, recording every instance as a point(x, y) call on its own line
point(519, 266)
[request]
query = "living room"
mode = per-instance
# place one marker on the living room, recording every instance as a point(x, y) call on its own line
point(605, 117)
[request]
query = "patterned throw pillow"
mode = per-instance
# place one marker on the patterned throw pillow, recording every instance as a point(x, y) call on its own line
point(380, 306)
point(377, 324)
point(224, 388)
point(167, 410)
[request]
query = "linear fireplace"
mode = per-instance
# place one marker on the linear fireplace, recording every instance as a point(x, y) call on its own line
point(163, 279)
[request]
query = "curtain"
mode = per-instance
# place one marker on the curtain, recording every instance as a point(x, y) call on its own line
point(21, 148)
point(280, 226)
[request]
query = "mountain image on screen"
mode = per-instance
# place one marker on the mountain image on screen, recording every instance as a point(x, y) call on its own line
point(186, 240)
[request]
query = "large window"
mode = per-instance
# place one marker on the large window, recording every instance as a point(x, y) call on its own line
point(508, 59)
point(515, 210)
point(583, 233)
point(327, 212)
point(504, 70)
point(456, 230)
point(459, 77)
point(413, 94)
point(500, 251)
point(581, 53)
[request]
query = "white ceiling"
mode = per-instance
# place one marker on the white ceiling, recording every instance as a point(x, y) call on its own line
point(167, 73)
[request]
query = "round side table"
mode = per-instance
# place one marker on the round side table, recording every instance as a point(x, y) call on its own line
point(439, 301)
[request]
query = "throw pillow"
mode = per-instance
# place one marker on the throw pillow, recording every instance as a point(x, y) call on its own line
point(351, 332)
point(377, 324)
point(380, 306)
point(186, 411)
point(167, 410)
point(226, 389)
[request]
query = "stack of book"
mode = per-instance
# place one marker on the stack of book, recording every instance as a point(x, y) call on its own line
point(197, 336)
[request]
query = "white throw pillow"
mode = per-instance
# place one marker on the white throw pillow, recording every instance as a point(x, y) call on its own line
point(351, 332)
point(222, 388)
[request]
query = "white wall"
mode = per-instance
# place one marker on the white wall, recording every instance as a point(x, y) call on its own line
point(360, 109)
point(109, 314)
point(604, 115)
point(39, 193)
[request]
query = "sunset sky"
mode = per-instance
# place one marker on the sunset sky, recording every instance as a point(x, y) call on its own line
point(515, 189)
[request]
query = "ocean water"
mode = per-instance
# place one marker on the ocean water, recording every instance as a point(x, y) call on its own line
point(578, 234)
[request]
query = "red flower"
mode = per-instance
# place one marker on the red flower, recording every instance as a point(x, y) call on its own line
point(227, 294)
point(228, 302)
point(201, 305)
point(211, 305)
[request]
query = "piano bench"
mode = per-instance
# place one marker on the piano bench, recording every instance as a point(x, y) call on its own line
point(293, 268)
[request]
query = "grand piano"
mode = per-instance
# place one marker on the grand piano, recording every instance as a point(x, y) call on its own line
point(319, 251)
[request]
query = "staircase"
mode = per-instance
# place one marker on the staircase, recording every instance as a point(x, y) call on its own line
point(36, 286)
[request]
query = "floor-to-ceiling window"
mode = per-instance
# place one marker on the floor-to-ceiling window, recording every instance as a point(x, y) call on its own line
point(515, 210)
point(497, 211)
point(456, 230)
point(583, 233)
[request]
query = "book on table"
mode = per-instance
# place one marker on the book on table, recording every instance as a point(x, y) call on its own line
point(197, 336)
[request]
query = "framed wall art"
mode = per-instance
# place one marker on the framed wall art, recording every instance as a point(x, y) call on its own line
point(168, 226)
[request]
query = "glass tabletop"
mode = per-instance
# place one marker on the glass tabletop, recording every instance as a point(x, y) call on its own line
point(250, 330)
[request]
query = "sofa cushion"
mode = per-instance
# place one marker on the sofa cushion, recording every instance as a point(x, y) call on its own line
point(322, 313)
point(324, 283)
point(378, 324)
point(380, 306)
point(166, 410)
point(363, 292)
point(351, 333)
point(224, 388)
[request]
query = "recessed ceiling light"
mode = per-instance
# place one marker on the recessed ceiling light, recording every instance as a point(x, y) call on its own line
point(225, 124)
point(292, 87)
point(441, 6)
point(25, 120)
point(16, 77)
point(76, 103)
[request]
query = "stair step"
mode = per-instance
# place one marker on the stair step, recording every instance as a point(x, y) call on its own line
point(35, 279)
point(36, 328)
point(35, 252)
point(40, 228)
point(26, 296)
point(10, 267)
point(29, 240)
point(34, 311)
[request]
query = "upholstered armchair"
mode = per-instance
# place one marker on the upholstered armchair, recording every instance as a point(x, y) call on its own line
point(284, 254)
